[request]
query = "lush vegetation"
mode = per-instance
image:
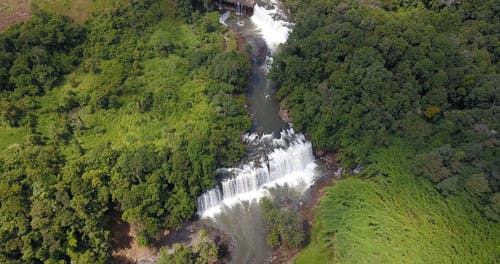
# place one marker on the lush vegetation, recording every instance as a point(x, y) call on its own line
point(130, 112)
point(360, 75)
point(36, 54)
point(205, 251)
point(395, 217)
point(357, 76)
point(78, 10)
point(284, 226)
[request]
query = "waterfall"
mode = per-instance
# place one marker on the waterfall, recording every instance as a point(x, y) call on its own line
point(284, 160)
point(224, 17)
point(238, 8)
point(273, 25)
point(273, 160)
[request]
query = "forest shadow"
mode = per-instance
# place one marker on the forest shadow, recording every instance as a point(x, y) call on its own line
point(120, 232)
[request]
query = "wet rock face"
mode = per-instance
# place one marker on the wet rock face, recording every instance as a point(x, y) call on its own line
point(285, 112)
point(240, 7)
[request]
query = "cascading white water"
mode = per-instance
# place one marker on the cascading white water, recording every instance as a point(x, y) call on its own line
point(272, 23)
point(224, 17)
point(286, 159)
point(290, 161)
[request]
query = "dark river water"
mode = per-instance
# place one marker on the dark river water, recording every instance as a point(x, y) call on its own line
point(280, 162)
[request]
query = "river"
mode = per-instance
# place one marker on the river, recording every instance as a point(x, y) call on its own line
point(280, 162)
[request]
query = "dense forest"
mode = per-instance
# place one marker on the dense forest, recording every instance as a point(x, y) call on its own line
point(129, 113)
point(126, 109)
point(417, 79)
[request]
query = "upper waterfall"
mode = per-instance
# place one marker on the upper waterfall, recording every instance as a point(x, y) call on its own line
point(277, 156)
point(272, 23)
point(284, 159)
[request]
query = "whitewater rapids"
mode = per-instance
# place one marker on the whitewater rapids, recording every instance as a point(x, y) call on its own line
point(290, 161)
point(272, 23)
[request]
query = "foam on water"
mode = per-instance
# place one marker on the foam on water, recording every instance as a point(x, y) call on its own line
point(290, 161)
point(286, 159)
point(224, 17)
point(271, 21)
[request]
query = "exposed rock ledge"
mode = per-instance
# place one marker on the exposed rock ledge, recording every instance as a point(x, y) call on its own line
point(285, 112)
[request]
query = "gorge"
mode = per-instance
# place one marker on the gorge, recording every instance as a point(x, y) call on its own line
point(277, 155)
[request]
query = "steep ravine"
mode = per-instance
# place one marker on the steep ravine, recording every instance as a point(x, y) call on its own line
point(280, 162)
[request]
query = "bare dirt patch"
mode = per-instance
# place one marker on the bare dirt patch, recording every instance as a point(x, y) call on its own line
point(241, 41)
point(130, 252)
point(126, 250)
point(14, 11)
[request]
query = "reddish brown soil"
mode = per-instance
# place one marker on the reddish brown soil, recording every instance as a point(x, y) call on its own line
point(124, 243)
point(14, 11)
point(127, 251)
point(241, 41)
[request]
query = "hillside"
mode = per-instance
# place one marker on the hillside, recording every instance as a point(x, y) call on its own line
point(388, 215)
point(130, 113)
point(359, 76)
point(15, 11)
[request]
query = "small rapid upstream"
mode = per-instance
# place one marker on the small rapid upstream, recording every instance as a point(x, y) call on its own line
point(280, 162)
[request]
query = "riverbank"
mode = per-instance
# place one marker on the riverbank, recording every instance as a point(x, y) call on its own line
point(126, 249)
point(307, 209)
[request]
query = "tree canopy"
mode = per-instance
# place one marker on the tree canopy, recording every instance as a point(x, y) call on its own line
point(358, 75)
point(131, 112)
point(409, 91)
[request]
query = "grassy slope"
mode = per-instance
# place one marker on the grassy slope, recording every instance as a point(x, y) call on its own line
point(15, 11)
point(9, 135)
point(182, 110)
point(126, 126)
point(398, 218)
point(79, 10)
point(317, 250)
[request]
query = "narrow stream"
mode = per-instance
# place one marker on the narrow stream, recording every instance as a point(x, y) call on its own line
point(280, 162)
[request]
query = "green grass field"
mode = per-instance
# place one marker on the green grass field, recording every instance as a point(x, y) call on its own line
point(180, 89)
point(398, 218)
point(9, 136)
point(318, 250)
point(79, 10)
